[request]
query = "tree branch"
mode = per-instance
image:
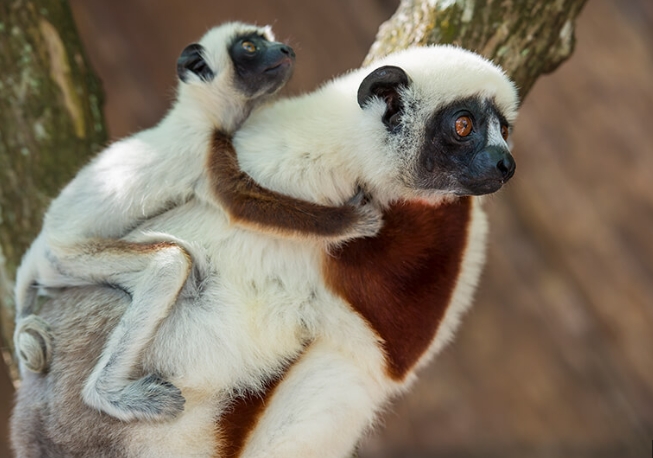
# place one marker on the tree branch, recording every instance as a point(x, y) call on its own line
point(528, 38)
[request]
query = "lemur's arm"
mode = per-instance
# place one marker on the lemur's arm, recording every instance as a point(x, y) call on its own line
point(251, 205)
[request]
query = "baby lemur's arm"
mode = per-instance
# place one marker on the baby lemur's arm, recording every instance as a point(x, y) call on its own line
point(251, 205)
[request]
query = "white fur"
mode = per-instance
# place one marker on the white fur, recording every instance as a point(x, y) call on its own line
point(142, 175)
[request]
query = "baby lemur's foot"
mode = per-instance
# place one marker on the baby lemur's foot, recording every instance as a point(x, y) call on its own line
point(33, 342)
point(150, 398)
point(370, 216)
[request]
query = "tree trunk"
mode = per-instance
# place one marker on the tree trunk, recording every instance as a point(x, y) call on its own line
point(51, 118)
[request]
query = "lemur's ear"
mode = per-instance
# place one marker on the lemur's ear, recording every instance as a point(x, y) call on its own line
point(385, 82)
point(191, 61)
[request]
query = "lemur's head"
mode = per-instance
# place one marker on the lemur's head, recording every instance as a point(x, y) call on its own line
point(234, 66)
point(446, 115)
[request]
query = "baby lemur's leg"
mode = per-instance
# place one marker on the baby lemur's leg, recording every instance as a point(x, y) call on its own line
point(153, 273)
point(250, 204)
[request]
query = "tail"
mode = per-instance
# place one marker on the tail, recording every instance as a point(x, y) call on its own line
point(33, 340)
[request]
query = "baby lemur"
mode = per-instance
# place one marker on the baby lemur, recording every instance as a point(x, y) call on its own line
point(233, 69)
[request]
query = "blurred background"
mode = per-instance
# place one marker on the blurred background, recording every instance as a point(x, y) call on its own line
point(556, 357)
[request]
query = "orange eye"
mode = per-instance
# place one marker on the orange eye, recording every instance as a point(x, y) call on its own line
point(249, 46)
point(505, 132)
point(464, 126)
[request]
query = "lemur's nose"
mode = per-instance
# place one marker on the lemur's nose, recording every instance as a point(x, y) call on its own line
point(287, 50)
point(506, 167)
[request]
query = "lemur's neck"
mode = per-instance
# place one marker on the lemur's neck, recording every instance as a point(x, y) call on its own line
point(187, 128)
point(189, 118)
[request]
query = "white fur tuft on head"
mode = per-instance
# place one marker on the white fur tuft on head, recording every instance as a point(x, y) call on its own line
point(446, 73)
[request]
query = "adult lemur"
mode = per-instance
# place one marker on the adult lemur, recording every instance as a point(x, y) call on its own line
point(234, 68)
point(290, 348)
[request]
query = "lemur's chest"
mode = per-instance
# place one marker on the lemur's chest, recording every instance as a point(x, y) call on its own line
point(402, 281)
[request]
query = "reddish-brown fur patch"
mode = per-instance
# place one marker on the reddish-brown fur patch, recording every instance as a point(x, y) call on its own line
point(401, 281)
point(250, 204)
point(235, 425)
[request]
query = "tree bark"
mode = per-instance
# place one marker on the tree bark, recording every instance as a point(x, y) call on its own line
point(51, 118)
point(528, 38)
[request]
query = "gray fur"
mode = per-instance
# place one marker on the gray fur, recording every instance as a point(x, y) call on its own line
point(50, 419)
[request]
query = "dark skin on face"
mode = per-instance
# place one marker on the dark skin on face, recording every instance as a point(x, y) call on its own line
point(457, 146)
point(261, 66)
point(455, 156)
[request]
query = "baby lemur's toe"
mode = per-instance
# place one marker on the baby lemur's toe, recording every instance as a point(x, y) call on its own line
point(153, 398)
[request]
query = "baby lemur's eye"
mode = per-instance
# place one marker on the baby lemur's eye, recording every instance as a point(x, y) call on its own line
point(464, 126)
point(249, 47)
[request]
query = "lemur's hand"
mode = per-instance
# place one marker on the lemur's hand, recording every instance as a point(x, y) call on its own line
point(370, 216)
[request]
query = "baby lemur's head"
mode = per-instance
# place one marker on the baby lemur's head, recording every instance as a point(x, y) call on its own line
point(231, 70)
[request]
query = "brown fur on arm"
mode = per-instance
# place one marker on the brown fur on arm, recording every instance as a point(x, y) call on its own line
point(250, 204)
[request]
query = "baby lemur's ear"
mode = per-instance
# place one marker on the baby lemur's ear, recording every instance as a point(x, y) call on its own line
point(192, 62)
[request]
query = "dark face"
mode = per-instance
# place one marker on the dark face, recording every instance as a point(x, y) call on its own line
point(465, 149)
point(262, 67)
